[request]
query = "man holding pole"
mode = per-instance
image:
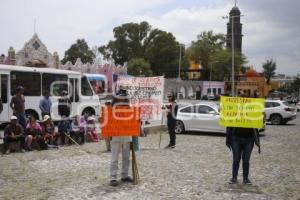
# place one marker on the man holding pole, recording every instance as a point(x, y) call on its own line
point(118, 145)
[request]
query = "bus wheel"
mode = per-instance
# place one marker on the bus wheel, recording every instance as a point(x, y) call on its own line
point(31, 113)
point(88, 111)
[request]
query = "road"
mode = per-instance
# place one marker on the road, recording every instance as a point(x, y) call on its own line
point(198, 168)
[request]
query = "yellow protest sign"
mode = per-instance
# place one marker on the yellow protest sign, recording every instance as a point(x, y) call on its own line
point(241, 112)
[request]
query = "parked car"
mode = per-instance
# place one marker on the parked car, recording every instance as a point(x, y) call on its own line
point(279, 112)
point(298, 106)
point(200, 117)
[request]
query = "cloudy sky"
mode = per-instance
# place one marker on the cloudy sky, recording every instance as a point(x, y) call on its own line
point(271, 28)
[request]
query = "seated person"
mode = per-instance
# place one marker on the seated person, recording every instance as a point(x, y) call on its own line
point(13, 132)
point(78, 129)
point(91, 129)
point(33, 131)
point(64, 128)
point(48, 130)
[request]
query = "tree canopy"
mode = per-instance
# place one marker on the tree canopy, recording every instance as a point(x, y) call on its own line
point(269, 68)
point(79, 50)
point(139, 67)
point(209, 50)
point(139, 40)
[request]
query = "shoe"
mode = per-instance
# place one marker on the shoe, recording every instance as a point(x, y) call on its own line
point(233, 181)
point(113, 183)
point(127, 179)
point(172, 146)
point(23, 150)
point(168, 146)
point(247, 182)
point(7, 151)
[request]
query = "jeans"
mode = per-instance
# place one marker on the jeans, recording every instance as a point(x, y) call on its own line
point(171, 129)
point(116, 148)
point(241, 148)
point(22, 119)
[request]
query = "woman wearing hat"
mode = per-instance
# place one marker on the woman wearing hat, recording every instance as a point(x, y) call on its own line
point(48, 130)
point(91, 129)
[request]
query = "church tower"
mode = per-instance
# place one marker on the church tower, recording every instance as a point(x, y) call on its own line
point(234, 17)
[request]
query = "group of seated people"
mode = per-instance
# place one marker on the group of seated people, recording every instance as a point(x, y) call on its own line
point(44, 135)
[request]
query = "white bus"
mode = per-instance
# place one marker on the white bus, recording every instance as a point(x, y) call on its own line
point(38, 80)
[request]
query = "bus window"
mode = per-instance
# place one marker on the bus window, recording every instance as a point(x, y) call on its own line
point(31, 81)
point(55, 82)
point(85, 87)
point(98, 83)
point(4, 88)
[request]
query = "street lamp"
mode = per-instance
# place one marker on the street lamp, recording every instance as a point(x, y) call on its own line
point(179, 63)
point(232, 49)
point(211, 65)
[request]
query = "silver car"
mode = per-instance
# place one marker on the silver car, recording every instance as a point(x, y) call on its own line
point(199, 117)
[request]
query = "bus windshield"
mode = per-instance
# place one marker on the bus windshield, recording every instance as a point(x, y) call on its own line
point(98, 82)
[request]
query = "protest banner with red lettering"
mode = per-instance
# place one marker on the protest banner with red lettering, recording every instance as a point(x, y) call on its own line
point(145, 92)
point(120, 121)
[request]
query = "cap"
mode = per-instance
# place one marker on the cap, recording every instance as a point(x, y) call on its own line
point(13, 118)
point(46, 117)
point(91, 118)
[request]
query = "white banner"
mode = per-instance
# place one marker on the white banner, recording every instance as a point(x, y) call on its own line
point(146, 92)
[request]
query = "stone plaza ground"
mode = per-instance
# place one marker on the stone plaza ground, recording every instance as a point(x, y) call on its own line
point(198, 168)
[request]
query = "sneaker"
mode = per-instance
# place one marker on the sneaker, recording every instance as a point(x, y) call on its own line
point(127, 179)
point(247, 182)
point(168, 146)
point(113, 183)
point(7, 151)
point(232, 181)
point(23, 150)
point(172, 146)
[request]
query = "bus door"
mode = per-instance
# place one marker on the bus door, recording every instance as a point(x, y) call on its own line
point(4, 116)
point(74, 97)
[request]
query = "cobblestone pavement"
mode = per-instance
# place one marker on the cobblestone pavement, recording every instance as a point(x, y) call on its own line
point(198, 168)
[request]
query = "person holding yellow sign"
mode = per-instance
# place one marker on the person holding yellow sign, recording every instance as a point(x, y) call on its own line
point(241, 115)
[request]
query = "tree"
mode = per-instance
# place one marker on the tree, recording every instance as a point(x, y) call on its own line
point(133, 40)
point(162, 51)
point(79, 50)
point(128, 43)
point(139, 67)
point(209, 49)
point(269, 70)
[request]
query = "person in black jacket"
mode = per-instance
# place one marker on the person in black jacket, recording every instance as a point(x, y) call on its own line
point(64, 105)
point(241, 142)
point(171, 120)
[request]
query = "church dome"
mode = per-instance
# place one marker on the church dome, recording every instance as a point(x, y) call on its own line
point(235, 11)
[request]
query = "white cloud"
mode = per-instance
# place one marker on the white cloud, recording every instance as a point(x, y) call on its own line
point(270, 29)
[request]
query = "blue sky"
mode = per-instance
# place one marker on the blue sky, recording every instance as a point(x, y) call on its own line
point(270, 27)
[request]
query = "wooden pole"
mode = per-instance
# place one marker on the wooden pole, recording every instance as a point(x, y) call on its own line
point(71, 139)
point(135, 172)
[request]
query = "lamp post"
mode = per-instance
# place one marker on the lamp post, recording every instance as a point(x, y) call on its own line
point(231, 18)
point(209, 85)
point(179, 62)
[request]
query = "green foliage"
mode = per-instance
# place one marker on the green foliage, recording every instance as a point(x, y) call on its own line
point(269, 68)
point(209, 49)
point(133, 40)
point(162, 51)
point(295, 86)
point(79, 50)
point(139, 67)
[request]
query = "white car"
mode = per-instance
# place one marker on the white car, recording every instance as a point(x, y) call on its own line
point(199, 117)
point(279, 112)
point(298, 106)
